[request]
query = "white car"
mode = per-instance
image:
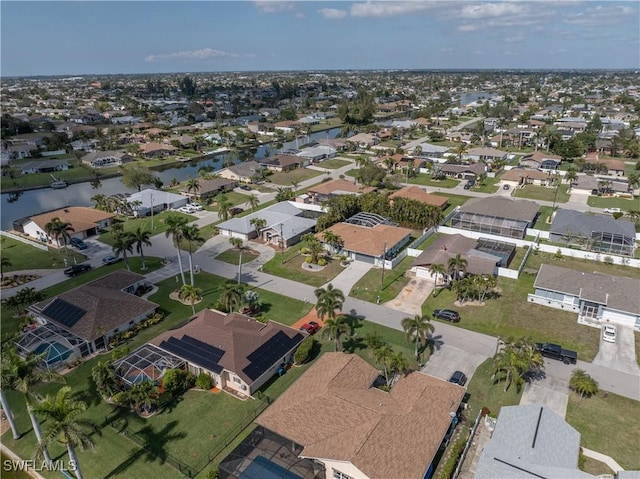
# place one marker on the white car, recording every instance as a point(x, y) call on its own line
point(609, 333)
point(196, 207)
point(612, 210)
point(186, 209)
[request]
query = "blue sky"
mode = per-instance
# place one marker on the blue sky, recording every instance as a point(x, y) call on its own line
point(84, 37)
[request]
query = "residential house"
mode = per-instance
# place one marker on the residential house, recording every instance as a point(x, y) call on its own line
point(84, 221)
point(157, 150)
point(464, 172)
point(519, 177)
point(530, 442)
point(102, 159)
point(487, 155)
point(285, 225)
point(369, 238)
point(459, 136)
point(244, 172)
point(598, 298)
point(541, 160)
point(318, 153)
point(363, 140)
point(210, 188)
point(43, 166)
point(608, 167)
point(365, 432)
point(81, 321)
point(319, 193)
point(496, 215)
point(282, 162)
point(599, 233)
point(239, 353)
point(143, 202)
point(431, 151)
point(418, 194)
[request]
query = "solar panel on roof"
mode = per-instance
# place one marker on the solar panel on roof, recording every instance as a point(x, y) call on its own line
point(64, 313)
point(269, 353)
point(193, 354)
point(216, 353)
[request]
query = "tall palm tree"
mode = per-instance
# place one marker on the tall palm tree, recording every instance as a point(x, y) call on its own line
point(224, 207)
point(399, 363)
point(258, 224)
point(64, 425)
point(191, 233)
point(456, 265)
point(571, 176)
point(143, 395)
point(25, 374)
point(329, 300)
point(4, 263)
point(123, 245)
point(101, 201)
point(253, 202)
point(105, 378)
point(190, 293)
point(437, 269)
point(117, 229)
point(238, 243)
point(141, 238)
point(417, 330)
point(231, 296)
point(193, 186)
point(334, 329)
point(384, 356)
point(7, 379)
point(175, 229)
point(58, 230)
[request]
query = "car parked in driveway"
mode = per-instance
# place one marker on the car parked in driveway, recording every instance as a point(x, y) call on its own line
point(505, 187)
point(311, 327)
point(236, 210)
point(447, 315)
point(458, 378)
point(77, 269)
point(78, 243)
point(609, 332)
point(188, 209)
point(111, 259)
point(196, 207)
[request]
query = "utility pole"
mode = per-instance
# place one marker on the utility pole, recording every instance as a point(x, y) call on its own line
point(240, 264)
point(152, 227)
point(281, 244)
point(384, 257)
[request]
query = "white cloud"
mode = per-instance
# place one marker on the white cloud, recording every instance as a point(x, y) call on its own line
point(514, 39)
point(333, 13)
point(468, 27)
point(487, 10)
point(602, 15)
point(390, 9)
point(202, 54)
point(273, 6)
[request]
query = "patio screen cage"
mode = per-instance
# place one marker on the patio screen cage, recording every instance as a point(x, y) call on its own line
point(147, 363)
point(56, 345)
point(369, 220)
point(506, 227)
point(615, 243)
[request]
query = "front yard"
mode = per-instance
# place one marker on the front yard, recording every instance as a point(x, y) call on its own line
point(233, 197)
point(484, 392)
point(543, 222)
point(542, 193)
point(291, 268)
point(371, 285)
point(132, 224)
point(487, 185)
point(23, 256)
point(425, 180)
point(333, 163)
point(287, 178)
point(232, 256)
point(625, 204)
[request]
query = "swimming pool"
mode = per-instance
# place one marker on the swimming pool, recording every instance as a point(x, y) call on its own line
point(263, 468)
point(53, 352)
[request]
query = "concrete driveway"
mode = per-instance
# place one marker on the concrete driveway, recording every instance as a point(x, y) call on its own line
point(551, 392)
point(448, 359)
point(410, 299)
point(620, 355)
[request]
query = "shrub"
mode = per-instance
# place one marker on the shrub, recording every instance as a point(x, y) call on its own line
point(617, 215)
point(213, 473)
point(322, 262)
point(119, 352)
point(204, 381)
point(304, 250)
point(177, 380)
point(308, 260)
point(608, 260)
point(452, 460)
point(303, 352)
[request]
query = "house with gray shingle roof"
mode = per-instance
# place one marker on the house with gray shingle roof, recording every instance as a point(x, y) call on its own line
point(531, 442)
point(598, 233)
point(596, 297)
point(496, 215)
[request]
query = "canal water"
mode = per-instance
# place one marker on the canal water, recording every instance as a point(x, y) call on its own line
point(15, 206)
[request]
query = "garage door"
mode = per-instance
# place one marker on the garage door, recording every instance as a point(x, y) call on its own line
point(619, 318)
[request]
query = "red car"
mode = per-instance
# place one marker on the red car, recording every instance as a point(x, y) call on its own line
point(311, 327)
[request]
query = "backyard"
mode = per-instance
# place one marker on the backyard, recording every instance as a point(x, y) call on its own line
point(291, 268)
point(625, 204)
point(286, 178)
point(132, 224)
point(371, 285)
point(542, 193)
point(23, 256)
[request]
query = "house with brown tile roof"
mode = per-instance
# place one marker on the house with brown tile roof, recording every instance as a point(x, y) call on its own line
point(418, 194)
point(612, 167)
point(210, 188)
point(526, 176)
point(96, 311)
point(238, 352)
point(540, 159)
point(283, 162)
point(364, 432)
point(155, 150)
point(325, 190)
point(84, 221)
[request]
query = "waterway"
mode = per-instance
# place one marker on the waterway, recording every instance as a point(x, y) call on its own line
point(28, 203)
point(472, 96)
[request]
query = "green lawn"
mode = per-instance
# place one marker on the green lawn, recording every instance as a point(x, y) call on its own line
point(233, 197)
point(287, 177)
point(454, 200)
point(609, 424)
point(484, 392)
point(625, 204)
point(353, 172)
point(543, 222)
point(425, 180)
point(232, 256)
point(292, 268)
point(159, 225)
point(76, 173)
point(517, 258)
point(542, 193)
point(536, 259)
point(24, 256)
point(487, 185)
point(370, 286)
point(595, 468)
point(511, 315)
point(334, 163)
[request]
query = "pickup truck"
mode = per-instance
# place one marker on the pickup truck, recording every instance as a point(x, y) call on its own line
point(76, 269)
point(555, 351)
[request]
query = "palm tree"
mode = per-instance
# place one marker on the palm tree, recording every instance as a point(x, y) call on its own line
point(101, 201)
point(437, 269)
point(58, 230)
point(123, 245)
point(329, 301)
point(224, 207)
point(417, 329)
point(460, 149)
point(193, 186)
point(190, 293)
point(25, 374)
point(399, 364)
point(384, 355)
point(253, 202)
point(314, 246)
point(258, 224)
point(456, 265)
point(64, 425)
point(105, 378)
point(141, 396)
point(4, 263)
point(175, 229)
point(7, 382)
point(582, 383)
point(141, 238)
point(295, 184)
point(191, 233)
point(509, 362)
point(333, 330)
point(117, 229)
point(238, 243)
point(571, 176)
point(334, 241)
point(231, 296)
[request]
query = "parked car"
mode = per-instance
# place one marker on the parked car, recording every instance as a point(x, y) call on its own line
point(311, 327)
point(609, 333)
point(78, 243)
point(187, 209)
point(555, 351)
point(77, 269)
point(196, 206)
point(236, 210)
point(458, 378)
point(505, 187)
point(447, 315)
point(469, 184)
point(111, 259)
point(245, 187)
point(612, 210)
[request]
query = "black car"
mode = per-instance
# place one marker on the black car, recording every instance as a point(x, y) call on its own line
point(447, 315)
point(78, 243)
point(458, 378)
point(76, 269)
point(236, 210)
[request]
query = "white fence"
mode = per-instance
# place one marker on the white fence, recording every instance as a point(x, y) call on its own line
point(24, 240)
point(308, 206)
point(508, 273)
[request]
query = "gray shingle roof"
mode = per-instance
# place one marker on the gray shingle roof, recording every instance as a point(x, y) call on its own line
point(281, 213)
point(499, 207)
point(584, 224)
